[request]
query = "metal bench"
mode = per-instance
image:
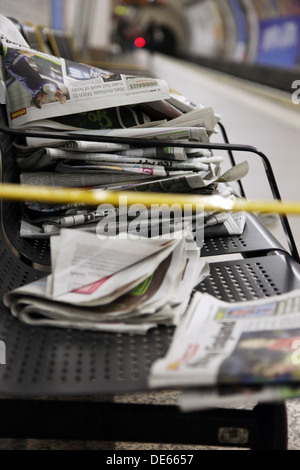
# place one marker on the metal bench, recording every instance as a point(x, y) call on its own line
point(45, 363)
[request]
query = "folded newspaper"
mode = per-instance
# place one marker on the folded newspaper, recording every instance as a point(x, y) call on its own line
point(40, 86)
point(245, 344)
point(44, 91)
point(114, 285)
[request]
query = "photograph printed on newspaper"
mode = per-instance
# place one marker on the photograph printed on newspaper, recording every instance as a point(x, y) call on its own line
point(232, 344)
point(41, 86)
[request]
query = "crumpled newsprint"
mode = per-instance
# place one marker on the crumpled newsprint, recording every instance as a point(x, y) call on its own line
point(41, 86)
point(112, 285)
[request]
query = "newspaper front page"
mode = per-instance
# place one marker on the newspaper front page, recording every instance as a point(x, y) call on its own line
point(41, 86)
point(223, 344)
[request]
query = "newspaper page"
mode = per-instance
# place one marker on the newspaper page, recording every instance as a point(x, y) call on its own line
point(10, 31)
point(84, 260)
point(154, 288)
point(99, 158)
point(84, 180)
point(41, 86)
point(123, 117)
point(223, 344)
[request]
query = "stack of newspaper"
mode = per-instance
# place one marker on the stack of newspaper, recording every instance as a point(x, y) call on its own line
point(59, 98)
point(226, 354)
point(86, 127)
point(114, 285)
point(220, 353)
point(119, 167)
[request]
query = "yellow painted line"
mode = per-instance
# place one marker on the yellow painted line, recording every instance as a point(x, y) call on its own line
point(58, 195)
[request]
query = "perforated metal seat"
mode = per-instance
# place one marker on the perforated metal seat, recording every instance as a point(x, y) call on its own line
point(256, 239)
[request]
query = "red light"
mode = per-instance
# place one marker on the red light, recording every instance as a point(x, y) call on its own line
point(140, 42)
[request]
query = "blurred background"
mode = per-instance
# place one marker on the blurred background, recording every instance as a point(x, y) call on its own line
point(255, 39)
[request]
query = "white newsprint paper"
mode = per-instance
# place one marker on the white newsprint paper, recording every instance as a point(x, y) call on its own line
point(41, 86)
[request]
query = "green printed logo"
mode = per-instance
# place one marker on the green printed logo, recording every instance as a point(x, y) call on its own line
point(99, 118)
point(142, 287)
